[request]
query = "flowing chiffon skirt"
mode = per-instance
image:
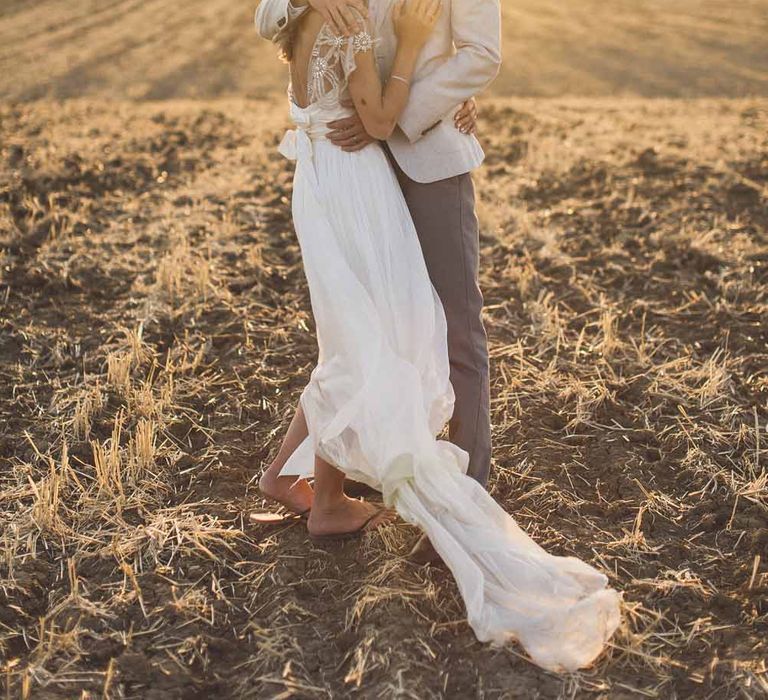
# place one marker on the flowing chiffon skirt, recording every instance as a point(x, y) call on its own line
point(380, 395)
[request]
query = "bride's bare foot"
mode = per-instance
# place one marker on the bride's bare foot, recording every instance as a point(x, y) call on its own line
point(345, 515)
point(289, 491)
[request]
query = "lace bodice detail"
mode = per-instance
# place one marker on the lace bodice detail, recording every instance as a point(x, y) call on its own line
point(333, 61)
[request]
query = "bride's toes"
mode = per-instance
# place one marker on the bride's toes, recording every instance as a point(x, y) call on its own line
point(384, 517)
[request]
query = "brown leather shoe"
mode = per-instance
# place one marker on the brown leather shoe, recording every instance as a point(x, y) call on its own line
point(424, 554)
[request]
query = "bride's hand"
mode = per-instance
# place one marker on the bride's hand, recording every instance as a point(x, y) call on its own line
point(415, 19)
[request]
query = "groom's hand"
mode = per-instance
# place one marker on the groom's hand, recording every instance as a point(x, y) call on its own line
point(338, 13)
point(349, 134)
point(465, 119)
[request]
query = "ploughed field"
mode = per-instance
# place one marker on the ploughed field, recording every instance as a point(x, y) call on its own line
point(155, 333)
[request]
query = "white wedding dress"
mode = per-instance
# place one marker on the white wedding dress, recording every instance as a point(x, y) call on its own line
point(380, 393)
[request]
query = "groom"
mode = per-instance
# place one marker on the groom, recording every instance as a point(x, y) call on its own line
point(433, 157)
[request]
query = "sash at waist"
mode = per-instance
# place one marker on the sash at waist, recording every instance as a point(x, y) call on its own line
point(311, 125)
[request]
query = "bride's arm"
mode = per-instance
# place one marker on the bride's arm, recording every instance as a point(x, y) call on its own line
point(380, 106)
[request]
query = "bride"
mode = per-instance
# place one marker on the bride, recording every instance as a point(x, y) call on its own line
point(380, 393)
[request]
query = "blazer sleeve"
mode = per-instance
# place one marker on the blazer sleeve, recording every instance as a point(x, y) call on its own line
point(273, 15)
point(476, 28)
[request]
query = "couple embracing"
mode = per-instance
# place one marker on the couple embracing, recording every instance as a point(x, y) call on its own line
point(383, 207)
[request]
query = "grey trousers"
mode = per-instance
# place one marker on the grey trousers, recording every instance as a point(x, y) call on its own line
point(447, 226)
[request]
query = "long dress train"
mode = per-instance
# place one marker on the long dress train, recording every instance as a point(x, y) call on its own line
point(380, 393)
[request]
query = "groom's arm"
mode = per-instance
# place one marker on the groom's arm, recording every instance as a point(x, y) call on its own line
point(476, 26)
